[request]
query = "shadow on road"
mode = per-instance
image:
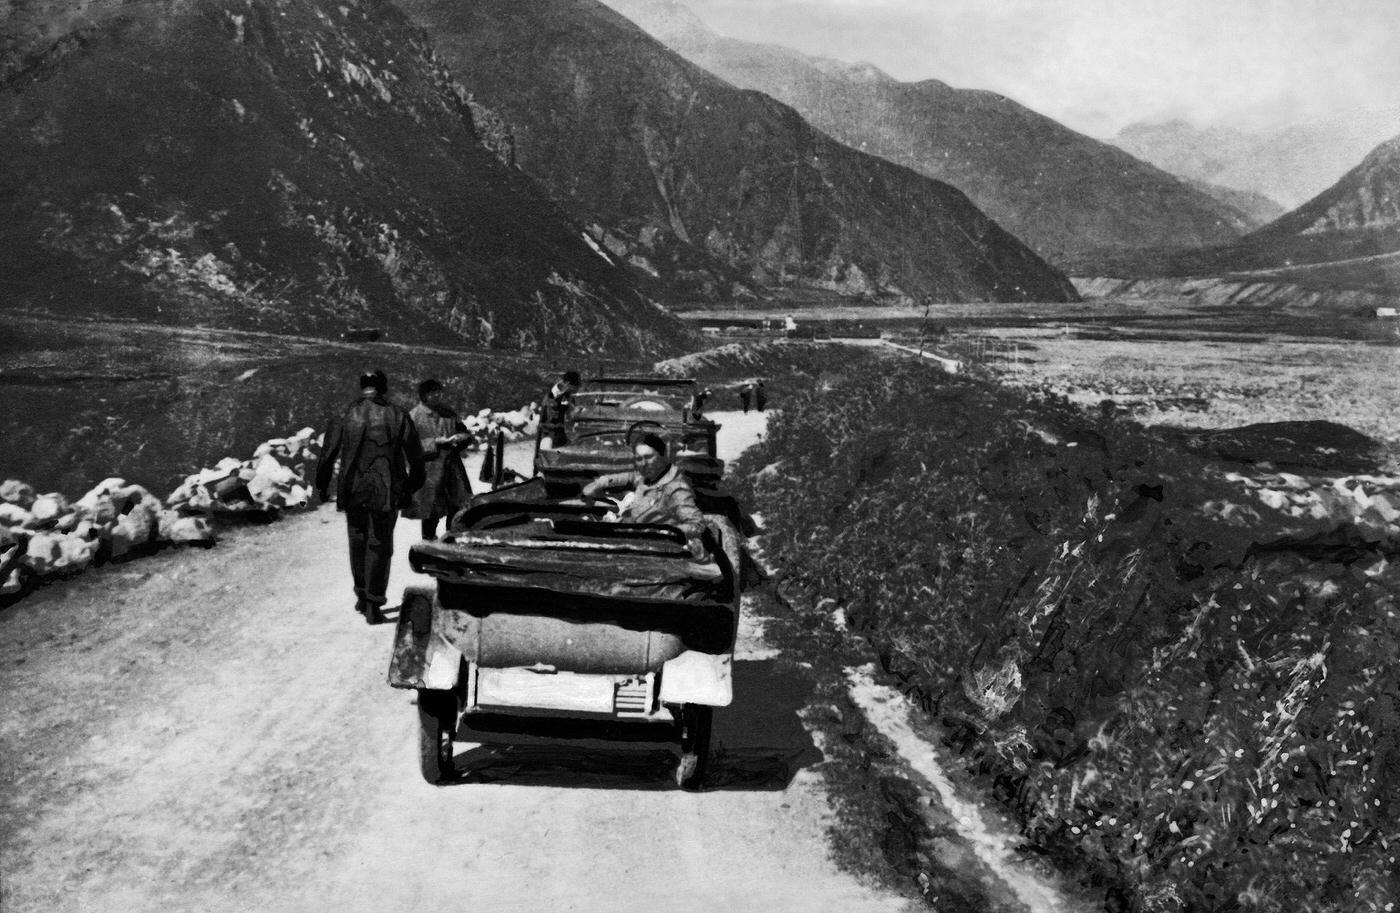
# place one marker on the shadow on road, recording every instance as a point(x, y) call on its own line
point(759, 743)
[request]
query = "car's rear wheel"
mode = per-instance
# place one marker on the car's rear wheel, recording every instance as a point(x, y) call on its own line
point(696, 721)
point(437, 724)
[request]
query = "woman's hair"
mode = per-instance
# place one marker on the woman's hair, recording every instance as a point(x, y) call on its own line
point(428, 386)
point(654, 441)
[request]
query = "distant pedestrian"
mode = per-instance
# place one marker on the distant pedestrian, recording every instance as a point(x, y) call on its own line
point(381, 466)
point(746, 396)
point(555, 413)
point(695, 410)
point(446, 488)
point(760, 396)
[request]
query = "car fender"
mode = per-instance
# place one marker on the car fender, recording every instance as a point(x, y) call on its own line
point(422, 655)
point(698, 678)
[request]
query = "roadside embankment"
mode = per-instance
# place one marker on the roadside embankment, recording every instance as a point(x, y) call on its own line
point(1179, 678)
point(47, 536)
point(1217, 292)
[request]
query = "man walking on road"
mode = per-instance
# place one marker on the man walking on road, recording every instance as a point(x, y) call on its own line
point(760, 396)
point(381, 466)
point(746, 395)
point(446, 488)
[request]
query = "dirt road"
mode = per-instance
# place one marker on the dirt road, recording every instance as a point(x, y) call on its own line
point(212, 731)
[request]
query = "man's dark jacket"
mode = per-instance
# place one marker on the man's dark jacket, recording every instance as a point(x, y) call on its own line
point(381, 458)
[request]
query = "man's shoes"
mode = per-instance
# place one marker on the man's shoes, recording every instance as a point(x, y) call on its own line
point(372, 614)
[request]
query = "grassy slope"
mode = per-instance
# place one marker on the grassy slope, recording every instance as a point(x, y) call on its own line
point(290, 166)
point(152, 404)
point(1192, 694)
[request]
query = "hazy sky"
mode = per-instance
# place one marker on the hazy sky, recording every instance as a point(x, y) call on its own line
point(1097, 65)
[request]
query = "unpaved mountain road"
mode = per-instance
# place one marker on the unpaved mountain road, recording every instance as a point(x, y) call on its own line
point(211, 731)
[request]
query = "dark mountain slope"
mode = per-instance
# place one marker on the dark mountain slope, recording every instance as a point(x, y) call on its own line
point(1346, 236)
point(1258, 208)
point(285, 165)
point(703, 183)
point(1066, 195)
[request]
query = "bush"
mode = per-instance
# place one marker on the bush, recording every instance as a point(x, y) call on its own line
point(1188, 688)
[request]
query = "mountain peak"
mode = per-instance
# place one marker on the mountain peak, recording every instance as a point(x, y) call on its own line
point(1066, 195)
point(712, 188)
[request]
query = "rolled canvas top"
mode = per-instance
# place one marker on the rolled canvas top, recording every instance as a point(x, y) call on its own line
point(618, 561)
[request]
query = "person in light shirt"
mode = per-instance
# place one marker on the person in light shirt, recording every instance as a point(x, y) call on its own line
point(659, 492)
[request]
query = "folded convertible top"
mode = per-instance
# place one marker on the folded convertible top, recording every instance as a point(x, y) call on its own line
point(575, 558)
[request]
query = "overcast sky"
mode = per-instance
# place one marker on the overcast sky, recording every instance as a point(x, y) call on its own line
point(1098, 65)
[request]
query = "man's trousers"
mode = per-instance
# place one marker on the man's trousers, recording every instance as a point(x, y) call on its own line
point(371, 548)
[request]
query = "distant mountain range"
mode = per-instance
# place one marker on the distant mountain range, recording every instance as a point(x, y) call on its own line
point(1291, 165)
point(1260, 210)
point(1068, 196)
point(1347, 236)
point(713, 190)
point(300, 167)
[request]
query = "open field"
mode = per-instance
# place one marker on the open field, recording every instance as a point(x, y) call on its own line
point(88, 400)
point(1206, 383)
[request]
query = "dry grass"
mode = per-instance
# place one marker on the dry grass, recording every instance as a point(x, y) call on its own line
point(1241, 382)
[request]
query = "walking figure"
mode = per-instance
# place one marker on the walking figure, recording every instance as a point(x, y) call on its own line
point(745, 395)
point(446, 488)
point(760, 396)
point(381, 466)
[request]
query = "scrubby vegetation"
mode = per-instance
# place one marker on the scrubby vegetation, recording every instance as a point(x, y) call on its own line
point(1171, 672)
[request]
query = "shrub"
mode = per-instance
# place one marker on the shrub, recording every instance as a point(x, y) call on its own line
point(1158, 671)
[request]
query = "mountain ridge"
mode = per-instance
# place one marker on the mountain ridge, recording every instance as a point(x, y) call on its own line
point(300, 166)
point(1067, 195)
point(712, 189)
point(1289, 164)
point(1347, 236)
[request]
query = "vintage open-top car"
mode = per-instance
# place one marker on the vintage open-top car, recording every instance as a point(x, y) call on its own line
point(544, 610)
point(606, 417)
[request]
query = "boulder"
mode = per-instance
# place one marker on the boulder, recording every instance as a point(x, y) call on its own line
point(11, 583)
point(13, 491)
point(211, 477)
point(76, 553)
point(270, 469)
point(298, 496)
point(131, 495)
point(97, 506)
point(14, 515)
point(191, 531)
point(182, 494)
point(201, 500)
point(47, 509)
point(134, 529)
point(44, 553)
point(12, 555)
point(266, 492)
point(231, 488)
